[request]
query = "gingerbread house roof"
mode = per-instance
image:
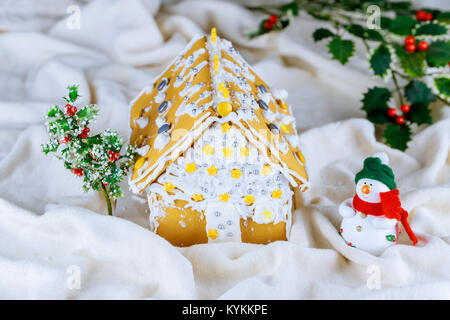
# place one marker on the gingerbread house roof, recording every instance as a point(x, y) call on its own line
point(206, 83)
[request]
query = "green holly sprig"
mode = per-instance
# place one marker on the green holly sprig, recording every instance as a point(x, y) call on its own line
point(95, 158)
point(410, 51)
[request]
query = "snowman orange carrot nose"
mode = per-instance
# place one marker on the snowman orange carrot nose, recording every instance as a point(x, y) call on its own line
point(365, 189)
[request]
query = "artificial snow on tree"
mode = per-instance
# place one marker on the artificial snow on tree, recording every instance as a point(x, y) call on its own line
point(370, 218)
point(219, 156)
point(94, 158)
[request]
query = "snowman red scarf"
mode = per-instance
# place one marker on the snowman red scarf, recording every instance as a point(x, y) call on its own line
point(389, 206)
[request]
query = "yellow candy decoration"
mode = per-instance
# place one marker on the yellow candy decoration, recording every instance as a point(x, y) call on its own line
point(224, 108)
point(139, 163)
point(301, 157)
point(213, 35)
point(226, 93)
point(216, 62)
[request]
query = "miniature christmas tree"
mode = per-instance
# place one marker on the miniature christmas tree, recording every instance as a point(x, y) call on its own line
point(95, 158)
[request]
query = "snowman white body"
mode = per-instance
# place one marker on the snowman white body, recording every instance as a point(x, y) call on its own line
point(370, 233)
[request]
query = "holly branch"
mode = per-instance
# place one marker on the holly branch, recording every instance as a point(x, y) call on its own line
point(409, 49)
point(95, 158)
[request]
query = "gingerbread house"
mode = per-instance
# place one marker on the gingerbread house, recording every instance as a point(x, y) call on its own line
point(218, 150)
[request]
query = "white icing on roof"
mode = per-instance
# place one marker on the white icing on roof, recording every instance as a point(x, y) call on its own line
point(238, 73)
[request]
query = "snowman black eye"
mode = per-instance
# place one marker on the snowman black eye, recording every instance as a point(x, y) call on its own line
point(370, 184)
point(365, 183)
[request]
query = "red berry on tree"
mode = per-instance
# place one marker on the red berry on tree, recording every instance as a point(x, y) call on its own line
point(400, 120)
point(392, 112)
point(405, 108)
point(268, 25)
point(422, 46)
point(78, 172)
point(421, 15)
point(410, 40)
point(66, 140)
point(428, 16)
point(83, 134)
point(410, 47)
point(273, 18)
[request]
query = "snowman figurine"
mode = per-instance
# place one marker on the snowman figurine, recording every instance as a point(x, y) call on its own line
point(370, 218)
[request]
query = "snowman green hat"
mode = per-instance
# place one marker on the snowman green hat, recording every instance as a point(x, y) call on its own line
point(376, 168)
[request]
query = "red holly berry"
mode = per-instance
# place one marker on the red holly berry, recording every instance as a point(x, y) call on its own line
point(71, 110)
point(400, 120)
point(410, 40)
point(113, 156)
point(405, 108)
point(83, 134)
point(422, 46)
point(350, 244)
point(268, 25)
point(421, 15)
point(428, 16)
point(410, 47)
point(392, 112)
point(78, 172)
point(273, 18)
point(66, 140)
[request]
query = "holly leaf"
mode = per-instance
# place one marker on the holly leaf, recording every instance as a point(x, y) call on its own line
point(73, 93)
point(412, 63)
point(420, 113)
point(380, 60)
point(319, 15)
point(53, 111)
point(322, 33)
point(385, 22)
point(373, 35)
point(397, 136)
point(375, 103)
point(417, 92)
point(443, 85)
point(432, 29)
point(438, 53)
point(292, 7)
point(341, 50)
point(402, 25)
point(443, 17)
point(356, 30)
